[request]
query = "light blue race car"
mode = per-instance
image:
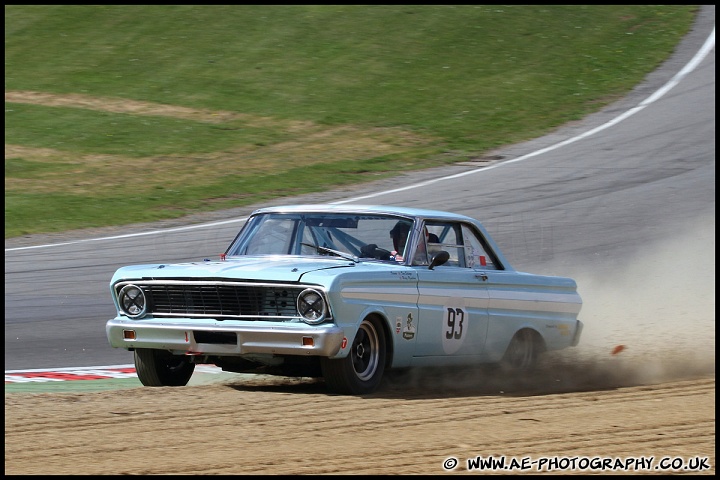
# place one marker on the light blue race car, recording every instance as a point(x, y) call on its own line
point(343, 292)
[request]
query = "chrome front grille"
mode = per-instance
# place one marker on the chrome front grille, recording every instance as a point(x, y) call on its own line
point(219, 299)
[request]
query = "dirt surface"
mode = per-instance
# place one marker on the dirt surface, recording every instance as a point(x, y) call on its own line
point(413, 425)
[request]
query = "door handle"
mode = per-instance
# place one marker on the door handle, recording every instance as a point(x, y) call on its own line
point(482, 276)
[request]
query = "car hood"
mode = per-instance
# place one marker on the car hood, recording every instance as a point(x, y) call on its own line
point(280, 268)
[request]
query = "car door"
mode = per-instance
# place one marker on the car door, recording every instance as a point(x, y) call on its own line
point(453, 302)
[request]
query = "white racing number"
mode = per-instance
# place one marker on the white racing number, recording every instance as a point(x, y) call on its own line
point(454, 325)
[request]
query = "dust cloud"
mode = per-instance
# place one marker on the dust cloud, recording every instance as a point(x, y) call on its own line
point(653, 320)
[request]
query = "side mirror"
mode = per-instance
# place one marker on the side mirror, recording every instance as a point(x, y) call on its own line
point(439, 259)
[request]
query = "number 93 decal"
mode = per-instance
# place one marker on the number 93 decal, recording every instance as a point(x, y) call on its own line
point(454, 325)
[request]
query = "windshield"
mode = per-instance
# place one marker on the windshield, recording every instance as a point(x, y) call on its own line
point(379, 237)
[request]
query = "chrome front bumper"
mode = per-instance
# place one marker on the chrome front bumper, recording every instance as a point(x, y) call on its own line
point(180, 337)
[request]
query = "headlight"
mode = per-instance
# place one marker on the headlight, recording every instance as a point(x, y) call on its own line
point(132, 301)
point(311, 306)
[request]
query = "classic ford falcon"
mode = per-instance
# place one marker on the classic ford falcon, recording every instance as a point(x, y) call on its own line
point(345, 293)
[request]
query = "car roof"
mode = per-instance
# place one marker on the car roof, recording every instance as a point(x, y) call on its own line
point(384, 209)
point(407, 212)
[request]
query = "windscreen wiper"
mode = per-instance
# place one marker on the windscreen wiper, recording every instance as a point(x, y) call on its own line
point(320, 249)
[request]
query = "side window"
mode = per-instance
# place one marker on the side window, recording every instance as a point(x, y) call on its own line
point(448, 237)
point(476, 255)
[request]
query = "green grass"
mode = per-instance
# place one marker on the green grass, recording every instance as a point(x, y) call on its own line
point(291, 99)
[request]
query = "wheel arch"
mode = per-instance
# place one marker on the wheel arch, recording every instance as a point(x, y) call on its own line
point(523, 351)
point(537, 337)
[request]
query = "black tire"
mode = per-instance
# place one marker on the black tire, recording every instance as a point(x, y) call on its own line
point(361, 371)
point(522, 353)
point(159, 368)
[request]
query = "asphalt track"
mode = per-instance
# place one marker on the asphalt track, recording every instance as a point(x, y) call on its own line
point(588, 201)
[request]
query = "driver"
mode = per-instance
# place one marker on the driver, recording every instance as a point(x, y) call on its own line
point(399, 235)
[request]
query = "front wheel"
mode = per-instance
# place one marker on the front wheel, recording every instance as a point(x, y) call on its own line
point(361, 371)
point(159, 368)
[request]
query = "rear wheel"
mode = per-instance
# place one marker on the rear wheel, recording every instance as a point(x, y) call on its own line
point(361, 371)
point(159, 368)
point(522, 353)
